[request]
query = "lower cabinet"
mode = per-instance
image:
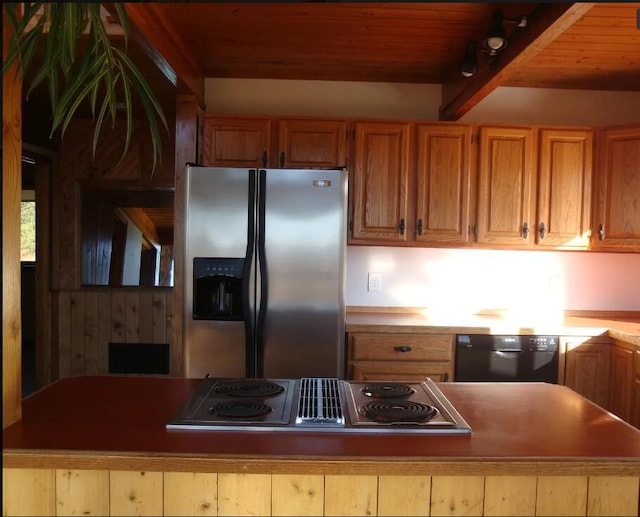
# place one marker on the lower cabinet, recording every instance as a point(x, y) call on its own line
point(621, 380)
point(587, 367)
point(380, 356)
point(635, 390)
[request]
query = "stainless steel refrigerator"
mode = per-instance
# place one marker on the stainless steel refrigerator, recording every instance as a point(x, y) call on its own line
point(264, 292)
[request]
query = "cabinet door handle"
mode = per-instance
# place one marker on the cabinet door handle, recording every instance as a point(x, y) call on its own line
point(445, 377)
point(264, 159)
point(525, 230)
point(402, 348)
point(601, 232)
point(542, 230)
point(401, 227)
point(419, 226)
point(282, 160)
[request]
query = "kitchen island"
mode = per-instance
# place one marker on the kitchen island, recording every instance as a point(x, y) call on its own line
point(98, 445)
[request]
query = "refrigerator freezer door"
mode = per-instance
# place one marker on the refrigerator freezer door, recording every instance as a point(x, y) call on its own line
point(216, 226)
point(304, 257)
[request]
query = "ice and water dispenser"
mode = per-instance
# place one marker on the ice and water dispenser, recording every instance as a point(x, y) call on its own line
point(217, 288)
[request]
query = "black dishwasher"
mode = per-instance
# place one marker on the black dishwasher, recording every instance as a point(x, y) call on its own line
point(483, 357)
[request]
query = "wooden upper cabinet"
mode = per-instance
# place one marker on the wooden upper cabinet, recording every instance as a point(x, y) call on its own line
point(506, 186)
point(617, 219)
point(443, 188)
point(235, 142)
point(380, 181)
point(312, 144)
point(564, 188)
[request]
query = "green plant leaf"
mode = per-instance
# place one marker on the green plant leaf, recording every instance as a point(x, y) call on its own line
point(79, 68)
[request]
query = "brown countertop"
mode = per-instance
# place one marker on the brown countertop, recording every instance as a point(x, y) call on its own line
point(106, 422)
point(624, 328)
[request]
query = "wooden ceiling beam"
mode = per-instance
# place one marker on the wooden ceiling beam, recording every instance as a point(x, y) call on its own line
point(547, 23)
point(155, 33)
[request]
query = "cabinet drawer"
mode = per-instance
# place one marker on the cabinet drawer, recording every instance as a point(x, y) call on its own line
point(415, 372)
point(401, 347)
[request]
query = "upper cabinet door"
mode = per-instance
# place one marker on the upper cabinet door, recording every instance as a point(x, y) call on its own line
point(443, 183)
point(380, 181)
point(312, 144)
point(564, 188)
point(617, 221)
point(506, 186)
point(235, 142)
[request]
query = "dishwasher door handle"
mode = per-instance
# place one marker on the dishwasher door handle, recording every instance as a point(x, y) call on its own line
point(509, 351)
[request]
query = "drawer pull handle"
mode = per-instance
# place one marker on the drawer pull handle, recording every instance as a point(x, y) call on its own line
point(402, 348)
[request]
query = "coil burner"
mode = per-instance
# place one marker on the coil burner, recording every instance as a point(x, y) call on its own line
point(240, 409)
point(249, 388)
point(390, 411)
point(387, 390)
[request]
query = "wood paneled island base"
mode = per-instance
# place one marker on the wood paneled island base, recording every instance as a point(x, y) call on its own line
point(98, 446)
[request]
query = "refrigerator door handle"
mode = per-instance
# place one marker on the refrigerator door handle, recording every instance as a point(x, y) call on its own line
point(248, 286)
point(262, 267)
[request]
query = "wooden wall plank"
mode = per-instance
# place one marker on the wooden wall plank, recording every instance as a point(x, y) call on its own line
point(404, 495)
point(104, 330)
point(132, 317)
point(118, 304)
point(297, 495)
point(145, 316)
point(190, 493)
point(82, 492)
point(159, 316)
point(91, 333)
point(64, 334)
point(244, 494)
point(612, 495)
point(11, 196)
point(350, 495)
point(77, 333)
point(135, 493)
point(28, 492)
point(559, 495)
point(457, 495)
point(510, 495)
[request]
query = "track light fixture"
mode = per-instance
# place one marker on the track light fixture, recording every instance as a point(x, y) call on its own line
point(495, 42)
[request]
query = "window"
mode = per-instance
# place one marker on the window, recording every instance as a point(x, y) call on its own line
point(28, 226)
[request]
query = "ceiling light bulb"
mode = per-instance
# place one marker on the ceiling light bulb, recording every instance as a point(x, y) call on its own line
point(469, 62)
point(495, 42)
point(496, 36)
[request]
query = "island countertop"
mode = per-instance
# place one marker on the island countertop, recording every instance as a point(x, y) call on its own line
point(111, 421)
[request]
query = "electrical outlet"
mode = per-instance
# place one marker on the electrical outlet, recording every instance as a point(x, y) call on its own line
point(374, 282)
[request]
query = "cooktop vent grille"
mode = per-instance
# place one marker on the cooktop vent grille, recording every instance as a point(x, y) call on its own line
point(319, 402)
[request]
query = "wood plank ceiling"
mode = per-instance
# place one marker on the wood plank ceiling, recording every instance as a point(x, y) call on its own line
point(586, 46)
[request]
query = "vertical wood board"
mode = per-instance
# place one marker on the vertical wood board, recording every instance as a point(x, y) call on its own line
point(457, 495)
point(350, 495)
point(297, 495)
point(244, 494)
point(82, 492)
point(404, 495)
point(510, 495)
point(190, 493)
point(135, 492)
point(28, 492)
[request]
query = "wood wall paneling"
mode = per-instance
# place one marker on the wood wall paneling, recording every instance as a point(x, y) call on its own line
point(117, 492)
point(88, 320)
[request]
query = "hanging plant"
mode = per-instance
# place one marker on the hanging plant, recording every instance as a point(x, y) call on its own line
point(81, 65)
